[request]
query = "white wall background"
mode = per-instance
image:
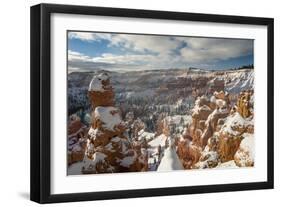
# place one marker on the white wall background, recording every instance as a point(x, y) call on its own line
point(14, 104)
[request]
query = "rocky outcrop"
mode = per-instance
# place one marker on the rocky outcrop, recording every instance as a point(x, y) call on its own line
point(217, 84)
point(74, 125)
point(217, 132)
point(100, 91)
point(244, 103)
point(108, 149)
point(244, 156)
point(207, 116)
point(76, 140)
point(188, 152)
point(235, 126)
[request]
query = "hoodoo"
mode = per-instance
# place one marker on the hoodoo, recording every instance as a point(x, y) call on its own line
point(108, 149)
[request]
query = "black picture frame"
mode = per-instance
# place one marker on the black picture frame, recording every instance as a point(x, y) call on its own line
point(41, 99)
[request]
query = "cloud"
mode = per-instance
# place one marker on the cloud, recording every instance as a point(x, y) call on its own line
point(76, 56)
point(108, 61)
point(212, 50)
point(154, 51)
point(89, 36)
point(139, 43)
point(143, 43)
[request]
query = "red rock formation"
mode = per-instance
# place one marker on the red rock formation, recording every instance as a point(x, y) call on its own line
point(244, 104)
point(100, 91)
point(206, 115)
point(216, 85)
point(200, 114)
point(244, 156)
point(188, 153)
point(235, 126)
point(74, 124)
point(76, 140)
point(216, 132)
point(108, 149)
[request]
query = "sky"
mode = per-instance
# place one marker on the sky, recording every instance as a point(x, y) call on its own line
point(89, 51)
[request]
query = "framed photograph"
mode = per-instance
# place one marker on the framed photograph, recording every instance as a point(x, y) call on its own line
point(133, 103)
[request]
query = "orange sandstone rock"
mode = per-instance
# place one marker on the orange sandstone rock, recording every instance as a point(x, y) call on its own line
point(108, 149)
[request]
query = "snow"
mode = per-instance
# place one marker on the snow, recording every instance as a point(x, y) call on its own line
point(234, 121)
point(247, 143)
point(140, 94)
point(93, 133)
point(229, 164)
point(160, 140)
point(170, 161)
point(90, 164)
point(128, 161)
point(213, 99)
point(109, 116)
point(98, 157)
point(246, 151)
point(215, 112)
point(179, 119)
point(75, 168)
point(145, 135)
point(234, 79)
point(96, 82)
point(220, 103)
point(116, 139)
point(197, 108)
point(210, 157)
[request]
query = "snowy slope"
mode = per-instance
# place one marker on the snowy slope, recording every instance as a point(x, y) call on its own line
point(239, 80)
point(170, 161)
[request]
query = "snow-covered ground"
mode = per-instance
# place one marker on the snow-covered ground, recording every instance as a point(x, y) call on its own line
point(170, 161)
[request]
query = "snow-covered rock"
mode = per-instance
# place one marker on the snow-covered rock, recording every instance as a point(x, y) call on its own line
point(170, 161)
point(235, 125)
point(76, 140)
point(108, 149)
point(100, 83)
point(234, 79)
point(228, 164)
point(205, 116)
point(244, 157)
point(109, 117)
point(208, 159)
point(215, 137)
point(100, 91)
point(158, 141)
point(231, 134)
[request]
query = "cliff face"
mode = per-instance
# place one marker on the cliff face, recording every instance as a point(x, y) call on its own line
point(108, 149)
point(219, 133)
